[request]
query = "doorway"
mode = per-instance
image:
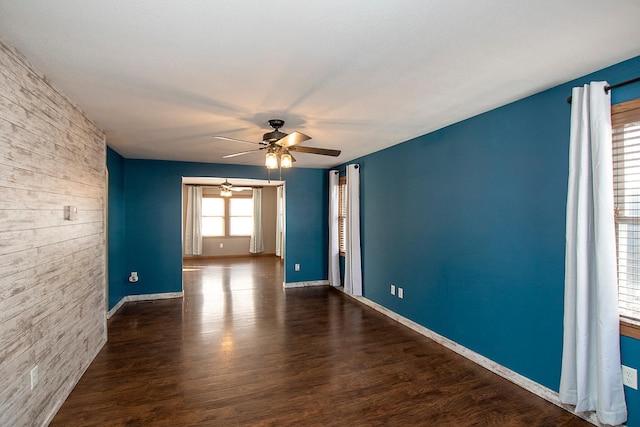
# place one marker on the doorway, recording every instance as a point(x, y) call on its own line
point(220, 216)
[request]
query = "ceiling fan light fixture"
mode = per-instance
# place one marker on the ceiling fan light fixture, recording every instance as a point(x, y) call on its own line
point(271, 161)
point(285, 160)
point(226, 192)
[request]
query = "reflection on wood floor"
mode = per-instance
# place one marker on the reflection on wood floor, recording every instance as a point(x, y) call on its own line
point(239, 350)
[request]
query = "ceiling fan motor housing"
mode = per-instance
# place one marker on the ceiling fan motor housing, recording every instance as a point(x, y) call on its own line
point(274, 135)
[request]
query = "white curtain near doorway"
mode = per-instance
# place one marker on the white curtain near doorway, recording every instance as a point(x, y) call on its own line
point(256, 245)
point(334, 249)
point(193, 226)
point(353, 263)
point(591, 376)
point(280, 222)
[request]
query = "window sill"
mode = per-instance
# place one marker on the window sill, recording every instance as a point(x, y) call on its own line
point(630, 329)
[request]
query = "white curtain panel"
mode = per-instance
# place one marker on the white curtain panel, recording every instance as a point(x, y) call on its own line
point(591, 372)
point(193, 223)
point(256, 245)
point(334, 249)
point(280, 222)
point(353, 263)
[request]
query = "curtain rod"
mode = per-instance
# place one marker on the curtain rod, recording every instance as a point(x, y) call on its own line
point(608, 88)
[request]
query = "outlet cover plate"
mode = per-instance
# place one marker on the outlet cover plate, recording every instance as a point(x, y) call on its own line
point(34, 377)
point(393, 289)
point(630, 377)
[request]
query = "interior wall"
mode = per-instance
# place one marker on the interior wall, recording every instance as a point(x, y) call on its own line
point(470, 222)
point(52, 271)
point(239, 245)
point(118, 280)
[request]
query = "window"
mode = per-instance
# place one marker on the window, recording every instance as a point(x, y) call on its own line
point(223, 217)
point(342, 215)
point(625, 120)
point(213, 209)
point(240, 216)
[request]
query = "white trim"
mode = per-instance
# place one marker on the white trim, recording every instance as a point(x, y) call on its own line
point(116, 307)
point(149, 297)
point(305, 284)
point(60, 402)
point(142, 297)
point(520, 380)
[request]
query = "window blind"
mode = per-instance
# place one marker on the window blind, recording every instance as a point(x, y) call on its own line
point(625, 120)
point(342, 215)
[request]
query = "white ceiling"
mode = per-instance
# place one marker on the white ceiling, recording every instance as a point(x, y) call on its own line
point(162, 77)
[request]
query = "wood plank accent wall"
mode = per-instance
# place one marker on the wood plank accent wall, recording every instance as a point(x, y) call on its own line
point(52, 271)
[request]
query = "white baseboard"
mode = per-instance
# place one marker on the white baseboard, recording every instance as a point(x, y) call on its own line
point(142, 297)
point(61, 400)
point(520, 380)
point(116, 307)
point(305, 284)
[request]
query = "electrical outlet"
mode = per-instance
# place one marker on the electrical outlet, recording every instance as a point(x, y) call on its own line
point(393, 289)
point(297, 267)
point(630, 377)
point(400, 293)
point(221, 245)
point(34, 377)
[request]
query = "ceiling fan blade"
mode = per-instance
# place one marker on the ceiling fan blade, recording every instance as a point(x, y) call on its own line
point(237, 140)
point(240, 188)
point(228, 156)
point(292, 139)
point(314, 150)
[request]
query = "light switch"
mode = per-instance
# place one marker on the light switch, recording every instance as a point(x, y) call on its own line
point(70, 213)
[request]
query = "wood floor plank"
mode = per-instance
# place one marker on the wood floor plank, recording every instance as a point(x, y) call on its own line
point(238, 350)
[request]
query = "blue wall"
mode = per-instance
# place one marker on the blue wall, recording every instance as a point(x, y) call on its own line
point(152, 206)
point(470, 221)
point(116, 224)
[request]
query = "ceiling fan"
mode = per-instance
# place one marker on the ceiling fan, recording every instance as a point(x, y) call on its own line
point(226, 188)
point(278, 146)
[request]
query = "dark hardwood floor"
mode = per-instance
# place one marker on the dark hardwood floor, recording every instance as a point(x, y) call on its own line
point(239, 350)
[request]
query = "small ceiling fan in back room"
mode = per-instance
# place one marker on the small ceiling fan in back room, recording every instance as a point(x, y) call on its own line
point(278, 146)
point(226, 188)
